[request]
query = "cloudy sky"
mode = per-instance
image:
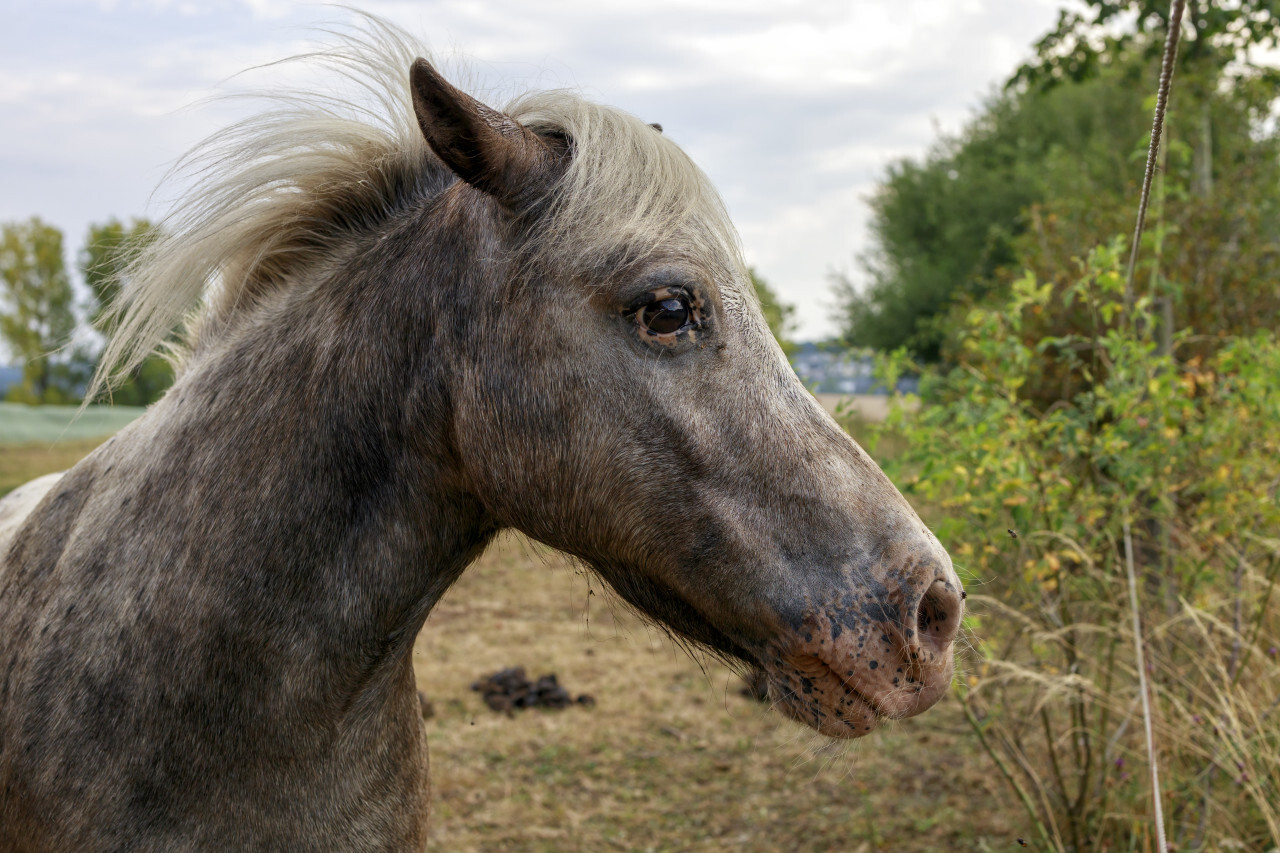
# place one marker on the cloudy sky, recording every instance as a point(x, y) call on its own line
point(794, 107)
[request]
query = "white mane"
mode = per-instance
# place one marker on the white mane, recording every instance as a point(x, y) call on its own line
point(286, 191)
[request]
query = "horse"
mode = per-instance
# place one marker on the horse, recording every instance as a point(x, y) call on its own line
point(410, 326)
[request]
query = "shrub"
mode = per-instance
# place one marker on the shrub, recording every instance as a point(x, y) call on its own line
point(1180, 451)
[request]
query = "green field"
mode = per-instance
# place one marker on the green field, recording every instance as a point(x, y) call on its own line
point(21, 424)
point(36, 440)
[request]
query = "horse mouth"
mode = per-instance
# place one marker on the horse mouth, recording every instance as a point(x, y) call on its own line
point(849, 701)
point(807, 688)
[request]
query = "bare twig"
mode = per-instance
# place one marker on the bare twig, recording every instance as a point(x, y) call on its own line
point(1161, 844)
point(976, 724)
point(1153, 150)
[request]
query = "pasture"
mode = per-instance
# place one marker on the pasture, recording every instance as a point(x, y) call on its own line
point(37, 440)
point(672, 756)
point(1097, 451)
point(20, 424)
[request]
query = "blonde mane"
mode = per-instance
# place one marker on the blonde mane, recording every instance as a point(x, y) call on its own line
point(285, 192)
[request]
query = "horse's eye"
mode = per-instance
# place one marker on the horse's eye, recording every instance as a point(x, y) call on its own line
point(666, 316)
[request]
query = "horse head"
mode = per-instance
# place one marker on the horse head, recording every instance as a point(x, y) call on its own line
point(617, 394)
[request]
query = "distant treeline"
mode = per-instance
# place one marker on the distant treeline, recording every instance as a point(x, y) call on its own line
point(47, 328)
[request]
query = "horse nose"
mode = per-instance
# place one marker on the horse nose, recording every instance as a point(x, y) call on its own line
point(937, 621)
point(918, 650)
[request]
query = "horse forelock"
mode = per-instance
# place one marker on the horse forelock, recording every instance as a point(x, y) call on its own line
point(287, 191)
point(627, 191)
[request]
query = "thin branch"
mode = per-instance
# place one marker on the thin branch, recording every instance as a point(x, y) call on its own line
point(976, 725)
point(1153, 150)
point(1161, 844)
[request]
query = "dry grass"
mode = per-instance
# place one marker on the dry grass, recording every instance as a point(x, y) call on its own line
point(671, 757)
point(21, 463)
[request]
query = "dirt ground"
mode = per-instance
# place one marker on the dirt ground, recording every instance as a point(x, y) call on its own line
point(671, 757)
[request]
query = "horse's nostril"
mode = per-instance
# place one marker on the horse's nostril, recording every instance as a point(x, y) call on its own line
point(938, 616)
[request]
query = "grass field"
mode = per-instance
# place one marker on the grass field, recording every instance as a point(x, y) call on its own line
point(21, 424)
point(37, 440)
point(20, 463)
point(671, 757)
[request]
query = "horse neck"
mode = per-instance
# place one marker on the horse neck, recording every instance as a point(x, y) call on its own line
point(309, 458)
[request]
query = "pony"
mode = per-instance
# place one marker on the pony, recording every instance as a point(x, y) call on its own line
point(408, 329)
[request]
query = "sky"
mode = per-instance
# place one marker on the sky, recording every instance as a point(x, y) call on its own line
point(795, 108)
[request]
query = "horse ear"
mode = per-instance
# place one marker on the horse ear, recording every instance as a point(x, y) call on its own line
point(488, 149)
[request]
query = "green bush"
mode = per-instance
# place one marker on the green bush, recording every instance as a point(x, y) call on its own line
point(1180, 451)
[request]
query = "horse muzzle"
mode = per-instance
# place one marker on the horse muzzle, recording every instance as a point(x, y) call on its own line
point(859, 658)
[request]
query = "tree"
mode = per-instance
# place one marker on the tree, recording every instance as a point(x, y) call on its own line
point(38, 311)
point(1214, 34)
point(1219, 47)
point(1045, 170)
point(108, 249)
point(778, 314)
point(104, 262)
point(943, 228)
